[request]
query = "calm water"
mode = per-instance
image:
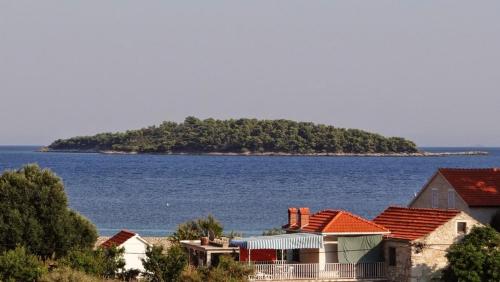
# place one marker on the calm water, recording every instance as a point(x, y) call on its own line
point(151, 194)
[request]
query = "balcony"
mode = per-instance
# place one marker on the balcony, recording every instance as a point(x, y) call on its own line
point(318, 272)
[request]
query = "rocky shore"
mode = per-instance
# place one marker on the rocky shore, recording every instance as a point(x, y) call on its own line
point(417, 154)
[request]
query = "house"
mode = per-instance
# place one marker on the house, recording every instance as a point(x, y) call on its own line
point(207, 252)
point(416, 247)
point(341, 230)
point(330, 245)
point(475, 191)
point(134, 248)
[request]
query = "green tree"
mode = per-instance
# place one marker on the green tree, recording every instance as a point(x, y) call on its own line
point(161, 267)
point(34, 213)
point(18, 265)
point(194, 229)
point(476, 258)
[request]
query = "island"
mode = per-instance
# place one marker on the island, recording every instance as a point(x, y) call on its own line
point(239, 136)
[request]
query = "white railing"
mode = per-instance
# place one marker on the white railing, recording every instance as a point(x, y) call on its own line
point(312, 271)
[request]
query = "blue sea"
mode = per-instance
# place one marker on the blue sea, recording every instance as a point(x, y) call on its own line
point(152, 194)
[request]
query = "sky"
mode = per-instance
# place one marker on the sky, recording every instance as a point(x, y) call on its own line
point(423, 70)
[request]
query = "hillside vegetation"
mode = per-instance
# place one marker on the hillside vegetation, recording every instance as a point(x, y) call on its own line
point(239, 136)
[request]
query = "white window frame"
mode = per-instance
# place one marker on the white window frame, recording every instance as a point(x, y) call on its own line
point(451, 199)
point(434, 198)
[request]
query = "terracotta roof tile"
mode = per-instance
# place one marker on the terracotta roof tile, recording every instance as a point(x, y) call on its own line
point(413, 223)
point(118, 239)
point(478, 187)
point(338, 221)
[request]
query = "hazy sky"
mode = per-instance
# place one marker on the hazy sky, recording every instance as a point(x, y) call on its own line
point(425, 70)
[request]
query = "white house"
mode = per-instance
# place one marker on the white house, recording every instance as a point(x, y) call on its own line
point(134, 246)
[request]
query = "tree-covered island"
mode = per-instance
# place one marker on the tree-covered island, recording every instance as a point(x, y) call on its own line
point(241, 136)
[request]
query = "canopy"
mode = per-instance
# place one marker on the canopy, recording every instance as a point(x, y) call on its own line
point(280, 242)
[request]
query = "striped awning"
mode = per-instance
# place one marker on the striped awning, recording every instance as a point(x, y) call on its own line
point(280, 242)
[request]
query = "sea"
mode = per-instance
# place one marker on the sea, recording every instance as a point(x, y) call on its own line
point(152, 194)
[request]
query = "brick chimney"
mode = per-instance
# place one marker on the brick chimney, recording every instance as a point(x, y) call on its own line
point(292, 217)
point(304, 217)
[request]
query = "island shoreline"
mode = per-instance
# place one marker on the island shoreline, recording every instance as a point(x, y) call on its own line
point(274, 154)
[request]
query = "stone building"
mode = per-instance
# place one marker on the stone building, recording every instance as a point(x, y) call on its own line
point(475, 191)
point(416, 247)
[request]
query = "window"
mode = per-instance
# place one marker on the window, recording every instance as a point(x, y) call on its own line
point(451, 199)
point(435, 198)
point(392, 256)
point(461, 228)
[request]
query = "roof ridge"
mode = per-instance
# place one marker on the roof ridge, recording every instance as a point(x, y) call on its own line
point(470, 169)
point(423, 209)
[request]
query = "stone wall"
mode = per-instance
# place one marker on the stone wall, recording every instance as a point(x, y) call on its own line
point(423, 259)
point(401, 271)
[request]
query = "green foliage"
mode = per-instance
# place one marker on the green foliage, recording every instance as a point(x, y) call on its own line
point(66, 274)
point(495, 221)
point(34, 213)
point(103, 262)
point(162, 267)
point(273, 231)
point(194, 229)
point(18, 265)
point(476, 258)
point(239, 136)
point(228, 270)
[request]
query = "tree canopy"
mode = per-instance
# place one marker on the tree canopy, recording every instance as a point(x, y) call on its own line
point(34, 213)
point(194, 229)
point(476, 258)
point(239, 136)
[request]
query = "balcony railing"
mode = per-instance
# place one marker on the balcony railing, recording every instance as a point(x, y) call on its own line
point(315, 271)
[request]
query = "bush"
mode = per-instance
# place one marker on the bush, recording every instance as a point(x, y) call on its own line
point(66, 274)
point(476, 258)
point(103, 262)
point(34, 213)
point(228, 270)
point(162, 267)
point(18, 265)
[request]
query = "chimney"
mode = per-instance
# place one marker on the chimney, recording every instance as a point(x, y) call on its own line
point(292, 217)
point(304, 217)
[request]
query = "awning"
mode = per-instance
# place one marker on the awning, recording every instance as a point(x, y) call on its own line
point(280, 242)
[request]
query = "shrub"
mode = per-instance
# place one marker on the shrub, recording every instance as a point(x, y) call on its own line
point(103, 262)
point(228, 270)
point(162, 267)
point(18, 265)
point(66, 274)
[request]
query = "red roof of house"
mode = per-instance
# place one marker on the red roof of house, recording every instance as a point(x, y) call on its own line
point(478, 187)
point(338, 221)
point(413, 223)
point(118, 239)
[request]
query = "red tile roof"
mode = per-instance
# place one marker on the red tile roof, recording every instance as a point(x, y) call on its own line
point(338, 221)
point(413, 223)
point(478, 187)
point(118, 239)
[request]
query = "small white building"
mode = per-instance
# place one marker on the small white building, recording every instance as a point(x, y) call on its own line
point(134, 246)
